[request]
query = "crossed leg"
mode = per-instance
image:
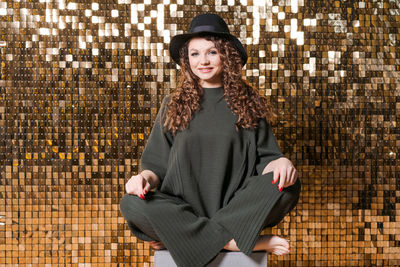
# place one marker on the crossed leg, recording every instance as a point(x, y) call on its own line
point(237, 225)
point(270, 243)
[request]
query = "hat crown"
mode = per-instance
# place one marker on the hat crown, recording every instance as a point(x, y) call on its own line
point(208, 22)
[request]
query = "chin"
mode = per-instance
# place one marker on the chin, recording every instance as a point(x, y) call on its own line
point(206, 77)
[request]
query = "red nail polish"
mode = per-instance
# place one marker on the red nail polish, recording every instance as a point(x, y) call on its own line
point(280, 189)
point(145, 192)
point(141, 196)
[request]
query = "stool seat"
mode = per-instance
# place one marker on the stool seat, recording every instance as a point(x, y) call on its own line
point(162, 258)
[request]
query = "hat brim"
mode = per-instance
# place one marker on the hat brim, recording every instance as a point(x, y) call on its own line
point(179, 40)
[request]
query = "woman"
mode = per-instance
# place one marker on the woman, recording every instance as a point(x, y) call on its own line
point(217, 175)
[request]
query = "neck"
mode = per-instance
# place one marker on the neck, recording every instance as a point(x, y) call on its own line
point(212, 87)
point(210, 84)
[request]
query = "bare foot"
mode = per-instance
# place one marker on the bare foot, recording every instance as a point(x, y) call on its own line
point(231, 245)
point(270, 243)
point(156, 245)
point(273, 244)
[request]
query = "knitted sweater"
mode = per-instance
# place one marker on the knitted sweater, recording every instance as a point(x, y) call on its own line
point(204, 166)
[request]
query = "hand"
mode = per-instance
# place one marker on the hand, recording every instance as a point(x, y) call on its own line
point(283, 170)
point(137, 185)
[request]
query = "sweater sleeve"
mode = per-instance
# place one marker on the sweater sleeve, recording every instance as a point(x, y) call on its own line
point(267, 146)
point(156, 152)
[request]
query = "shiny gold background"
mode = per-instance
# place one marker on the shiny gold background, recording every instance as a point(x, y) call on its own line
point(81, 83)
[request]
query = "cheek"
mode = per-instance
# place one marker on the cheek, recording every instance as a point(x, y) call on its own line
point(220, 67)
point(192, 63)
point(218, 62)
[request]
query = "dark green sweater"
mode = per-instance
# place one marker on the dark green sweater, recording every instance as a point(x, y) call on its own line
point(207, 163)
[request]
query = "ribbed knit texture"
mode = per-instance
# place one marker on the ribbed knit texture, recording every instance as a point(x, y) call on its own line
point(245, 216)
point(211, 189)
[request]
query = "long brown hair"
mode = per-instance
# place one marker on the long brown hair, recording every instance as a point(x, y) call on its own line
point(241, 98)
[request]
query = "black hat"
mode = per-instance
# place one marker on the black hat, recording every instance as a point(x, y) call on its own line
point(205, 24)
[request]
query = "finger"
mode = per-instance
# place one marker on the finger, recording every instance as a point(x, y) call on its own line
point(146, 188)
point(294, 176)
point(139, 182)
point(276, 177)
point(144, 184)
point(289, 180)
point(282, 179)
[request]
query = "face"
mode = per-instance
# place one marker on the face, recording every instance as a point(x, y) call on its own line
point(205, 62)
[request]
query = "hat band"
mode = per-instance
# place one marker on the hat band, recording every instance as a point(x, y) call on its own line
point(205, 28)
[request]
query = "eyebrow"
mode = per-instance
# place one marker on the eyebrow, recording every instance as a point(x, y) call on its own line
point(206, 49)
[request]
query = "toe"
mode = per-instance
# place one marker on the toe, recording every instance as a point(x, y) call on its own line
point(280, 250)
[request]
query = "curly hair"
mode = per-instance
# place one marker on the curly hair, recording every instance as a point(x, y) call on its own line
point(241, 98)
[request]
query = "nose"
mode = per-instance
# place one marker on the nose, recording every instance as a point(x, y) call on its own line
point(204, 60)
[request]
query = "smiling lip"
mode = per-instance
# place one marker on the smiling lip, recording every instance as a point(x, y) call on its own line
point(205, 70)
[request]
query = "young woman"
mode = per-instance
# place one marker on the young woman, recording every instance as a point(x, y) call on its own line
point(212, 175)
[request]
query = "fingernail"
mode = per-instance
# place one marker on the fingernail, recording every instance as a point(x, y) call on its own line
point(280, 189)
point(141, 196)
point(145, 192)
point(273, 181)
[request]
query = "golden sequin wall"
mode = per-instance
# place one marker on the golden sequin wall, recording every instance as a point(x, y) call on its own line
point(82, 81)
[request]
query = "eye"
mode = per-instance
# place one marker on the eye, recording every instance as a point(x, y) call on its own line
point(213, 52)
point(194, 54)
